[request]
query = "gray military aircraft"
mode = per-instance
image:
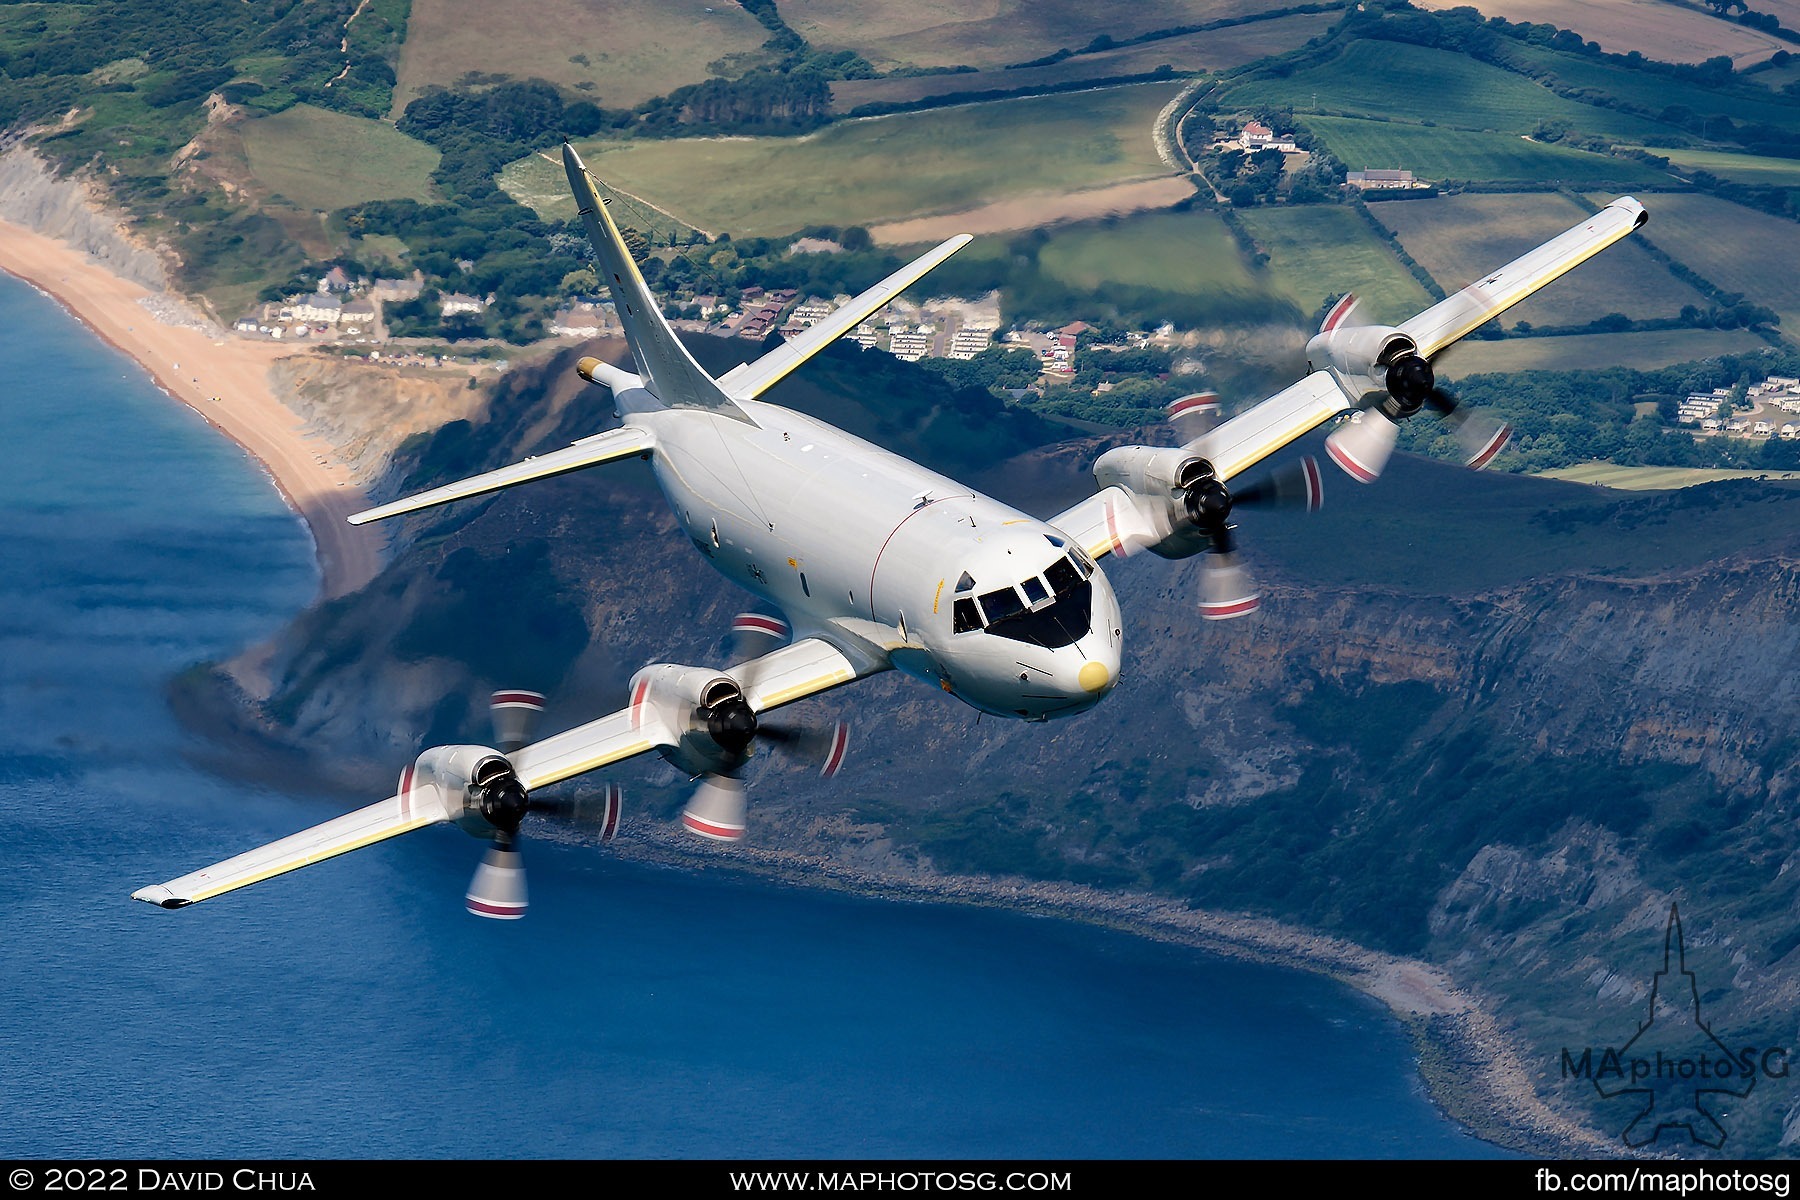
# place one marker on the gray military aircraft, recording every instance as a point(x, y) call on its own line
point(879, 563)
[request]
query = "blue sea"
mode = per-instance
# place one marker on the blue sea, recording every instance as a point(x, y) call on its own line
point(354, 1011)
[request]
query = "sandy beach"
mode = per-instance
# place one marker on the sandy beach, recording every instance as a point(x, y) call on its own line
point(222, 377)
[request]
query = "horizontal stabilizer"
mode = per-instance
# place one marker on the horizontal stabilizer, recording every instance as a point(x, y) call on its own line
point(752, 379)
point(588, 452)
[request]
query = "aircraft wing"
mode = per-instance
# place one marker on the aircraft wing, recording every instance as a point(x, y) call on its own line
point(803, 668)
point(1248, 438)
point(752, 379)
point(1111, 521)
point(605, 447)
point(1099, 523)
point(352, 831)
point(1492, 294)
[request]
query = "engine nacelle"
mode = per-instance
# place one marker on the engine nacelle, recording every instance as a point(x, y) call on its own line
point(471, 786)
point(1362, 353)
point(696, 717)
point(1159, 480)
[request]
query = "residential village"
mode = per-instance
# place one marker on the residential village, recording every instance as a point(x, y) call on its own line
point(1770, 409)
point(346, 314)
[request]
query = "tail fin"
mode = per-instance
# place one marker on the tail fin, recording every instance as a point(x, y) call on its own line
point(669, 371)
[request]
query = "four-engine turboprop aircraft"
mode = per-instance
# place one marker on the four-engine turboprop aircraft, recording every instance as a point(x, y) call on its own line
point(881, 564)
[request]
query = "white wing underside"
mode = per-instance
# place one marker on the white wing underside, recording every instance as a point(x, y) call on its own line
point(803, 668)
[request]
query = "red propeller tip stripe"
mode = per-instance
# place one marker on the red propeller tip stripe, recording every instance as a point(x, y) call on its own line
point(1225, 610)
point(756, 623)
point(1485, 455)
point(840, 741)
point(721, 833)
point(1351, 467)
point(506, 912)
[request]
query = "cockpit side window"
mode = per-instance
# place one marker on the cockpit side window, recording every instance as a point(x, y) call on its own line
point(965, 619)
point(1000, 604)
point(965, 584)
point(1062, 575)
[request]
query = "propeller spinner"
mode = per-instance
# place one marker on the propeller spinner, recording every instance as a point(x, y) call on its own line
point(1362, 445)
point(1226, 590)
point(718, 809)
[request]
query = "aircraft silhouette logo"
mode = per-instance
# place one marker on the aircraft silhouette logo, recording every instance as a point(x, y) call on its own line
point(1675, 1072)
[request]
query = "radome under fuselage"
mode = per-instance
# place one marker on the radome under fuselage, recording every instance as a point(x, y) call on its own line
point(994, 606)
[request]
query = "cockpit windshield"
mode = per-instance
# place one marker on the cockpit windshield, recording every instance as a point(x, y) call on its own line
point(1051, 610)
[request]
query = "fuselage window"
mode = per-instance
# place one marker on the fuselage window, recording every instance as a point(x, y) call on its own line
point(966, 619)
point(1000, 604)
point(1035, 591)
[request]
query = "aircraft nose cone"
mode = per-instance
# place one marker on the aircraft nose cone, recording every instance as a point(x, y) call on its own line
point(1094, 677)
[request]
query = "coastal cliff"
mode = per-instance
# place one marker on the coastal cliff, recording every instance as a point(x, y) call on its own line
point(1489, 725)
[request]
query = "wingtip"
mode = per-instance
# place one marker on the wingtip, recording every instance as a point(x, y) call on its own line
point(160, 896)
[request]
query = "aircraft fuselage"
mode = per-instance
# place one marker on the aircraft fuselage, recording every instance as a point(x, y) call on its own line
point(996, 607)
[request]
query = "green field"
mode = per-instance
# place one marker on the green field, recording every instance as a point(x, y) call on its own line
point(617, 54)
point(1654, 479)
point(1189, 253)
point(1461, 238)
point(1753, 169)
point(1322, 250)
point(1735, 248)
point(1439, 154)
point(1744, 102)
point(322, 160)
point(1408, 83)
point(992, 33)
point(1642, 351)
point(866, 172)
point(1215, 50)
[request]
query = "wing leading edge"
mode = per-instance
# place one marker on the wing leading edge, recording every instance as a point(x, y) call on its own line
point(803, 668)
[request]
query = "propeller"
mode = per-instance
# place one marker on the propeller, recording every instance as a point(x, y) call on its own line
point(718, 809)
point(1226, 590)
point(1362, 444)
point(497, 889)
point(1194, 416)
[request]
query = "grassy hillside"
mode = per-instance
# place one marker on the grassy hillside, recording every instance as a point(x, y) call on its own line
point(883, 169)
point(1466, 156)
point(323, 160)
point(1323, 250)
point(617, 54)
point(1392, 79)
point(943, 33)
point(1461, 238)
point(1733, 247)
point(1213, 50)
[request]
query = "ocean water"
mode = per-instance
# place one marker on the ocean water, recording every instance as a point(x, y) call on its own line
point(354, 1011)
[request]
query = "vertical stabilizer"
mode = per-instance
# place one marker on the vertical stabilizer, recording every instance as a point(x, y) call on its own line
point(669, 371)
